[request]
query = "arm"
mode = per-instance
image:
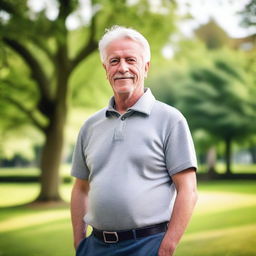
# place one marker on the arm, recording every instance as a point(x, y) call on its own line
point(78, 209)
point(185, 183)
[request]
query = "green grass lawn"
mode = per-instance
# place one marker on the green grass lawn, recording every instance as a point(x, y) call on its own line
point(31, 171)
point(224, 222)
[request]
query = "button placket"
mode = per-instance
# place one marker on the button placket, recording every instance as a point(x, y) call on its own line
point(119, 131)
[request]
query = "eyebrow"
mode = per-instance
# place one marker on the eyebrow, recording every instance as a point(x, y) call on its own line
point(118, 57)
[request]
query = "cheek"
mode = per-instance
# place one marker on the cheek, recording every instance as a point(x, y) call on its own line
point(140, 72)
point(136, 70)
point(109, 73)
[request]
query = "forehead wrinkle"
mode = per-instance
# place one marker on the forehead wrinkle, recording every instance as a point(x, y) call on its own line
point(123, 54)
point(133, 49)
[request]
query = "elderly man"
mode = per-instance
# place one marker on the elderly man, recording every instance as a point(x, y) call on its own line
point(134, 162)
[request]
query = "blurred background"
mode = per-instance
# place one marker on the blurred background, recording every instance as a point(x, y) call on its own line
point(51, 80)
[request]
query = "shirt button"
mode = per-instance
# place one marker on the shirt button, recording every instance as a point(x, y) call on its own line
point(122, 118)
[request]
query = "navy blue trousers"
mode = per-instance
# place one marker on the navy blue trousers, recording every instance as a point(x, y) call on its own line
point(147, 246)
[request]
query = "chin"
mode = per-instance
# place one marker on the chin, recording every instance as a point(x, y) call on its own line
point(123, 89)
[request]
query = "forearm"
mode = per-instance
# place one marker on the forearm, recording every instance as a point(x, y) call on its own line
point(182, 212)
point(78, 210)
point(185, 201)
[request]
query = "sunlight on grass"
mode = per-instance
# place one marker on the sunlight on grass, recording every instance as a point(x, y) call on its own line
point(220, 232)
point(27, 171)
point(21, 193)
point(32, 219)
point(15, 194)
point(47, 239)
point(65, 191)
point(236, 241)
point(213, 202)
point(21, 171)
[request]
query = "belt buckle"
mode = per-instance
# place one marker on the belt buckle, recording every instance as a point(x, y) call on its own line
point(110, 233)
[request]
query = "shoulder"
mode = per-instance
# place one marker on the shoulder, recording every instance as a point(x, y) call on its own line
point(166, 112)
point(96, 116)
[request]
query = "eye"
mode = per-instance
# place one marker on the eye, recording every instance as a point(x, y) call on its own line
point(113, 61)
point(131, 60)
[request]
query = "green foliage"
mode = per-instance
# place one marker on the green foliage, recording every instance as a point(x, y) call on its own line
point(89, 86)
point(36, 57)
point(213, 35)
point(220, 93)
point(248, 14)
point(213, 90)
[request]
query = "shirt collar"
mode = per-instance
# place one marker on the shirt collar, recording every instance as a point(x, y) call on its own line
point(143, 105)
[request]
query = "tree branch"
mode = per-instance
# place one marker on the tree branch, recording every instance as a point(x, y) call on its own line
point(66, 7)
point(11, 9)
point(38, 42)
point(7, 7)
point(88, 48)
point(26, 111)
point(37, 71)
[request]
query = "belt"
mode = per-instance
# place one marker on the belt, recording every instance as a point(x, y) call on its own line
point(118, 236)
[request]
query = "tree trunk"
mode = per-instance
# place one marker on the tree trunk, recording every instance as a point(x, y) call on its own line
point(52, 152)
point(211, 162)
point(252, 151)
point(51, 160)
point(228, 156)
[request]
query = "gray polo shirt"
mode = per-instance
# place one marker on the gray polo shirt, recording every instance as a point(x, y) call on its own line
point(129, 160)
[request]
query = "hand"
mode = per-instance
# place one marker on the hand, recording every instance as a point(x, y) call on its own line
point(167, 248)
point(77, 242)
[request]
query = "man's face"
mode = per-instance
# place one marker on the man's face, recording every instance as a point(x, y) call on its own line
point(125, 66)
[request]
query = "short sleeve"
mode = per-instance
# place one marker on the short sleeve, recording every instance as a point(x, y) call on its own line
point(179, 149)
point(79, 167)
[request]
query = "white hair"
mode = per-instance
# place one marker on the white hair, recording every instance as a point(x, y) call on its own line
point(117, 32)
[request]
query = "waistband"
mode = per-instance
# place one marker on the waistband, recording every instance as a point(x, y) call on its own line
point(118, 236)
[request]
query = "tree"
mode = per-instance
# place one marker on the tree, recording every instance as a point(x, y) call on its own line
point(214, 91)
point(248, 14)
point(42, 43)
point(218, 99)
point(213, 35)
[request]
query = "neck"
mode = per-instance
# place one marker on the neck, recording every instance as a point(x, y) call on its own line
point(125, 101)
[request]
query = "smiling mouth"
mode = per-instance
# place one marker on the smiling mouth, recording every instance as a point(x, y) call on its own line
point(123, 77)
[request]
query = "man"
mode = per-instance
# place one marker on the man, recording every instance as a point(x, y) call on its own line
point(134, 162)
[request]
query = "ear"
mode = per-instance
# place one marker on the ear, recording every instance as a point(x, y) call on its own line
point(147, 66)
point(104, 66)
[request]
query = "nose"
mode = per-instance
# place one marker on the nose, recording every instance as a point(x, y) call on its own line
point(123, 66)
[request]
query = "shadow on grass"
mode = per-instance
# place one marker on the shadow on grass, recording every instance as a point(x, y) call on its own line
point(36, 229)
point(48, 239)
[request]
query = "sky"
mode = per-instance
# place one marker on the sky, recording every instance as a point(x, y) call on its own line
point(224, 12)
